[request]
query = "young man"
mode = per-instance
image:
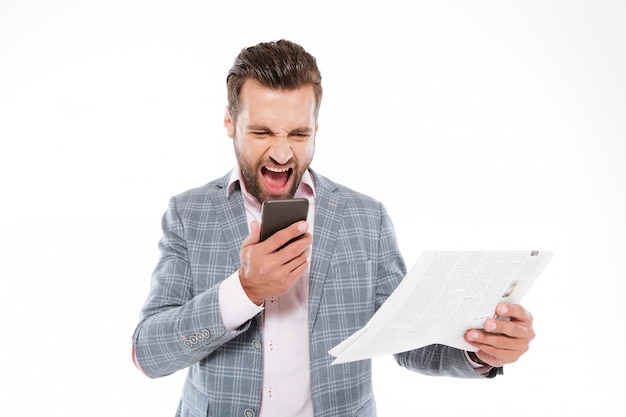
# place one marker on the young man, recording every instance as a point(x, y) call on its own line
point(254, 323)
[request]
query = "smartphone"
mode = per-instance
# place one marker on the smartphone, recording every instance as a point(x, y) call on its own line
point(278, 214)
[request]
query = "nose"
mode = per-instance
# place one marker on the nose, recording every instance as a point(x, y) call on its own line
point(280, 150)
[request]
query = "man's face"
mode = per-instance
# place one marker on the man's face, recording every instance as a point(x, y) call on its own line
point(274, 138)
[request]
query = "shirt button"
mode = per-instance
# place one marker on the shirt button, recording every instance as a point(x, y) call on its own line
point(257, 346)
point(248, 413)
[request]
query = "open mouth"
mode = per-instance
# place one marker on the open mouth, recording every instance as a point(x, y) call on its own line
point(276, 179)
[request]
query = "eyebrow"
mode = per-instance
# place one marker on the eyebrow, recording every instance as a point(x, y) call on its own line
point(302, 130)
point(267, 129)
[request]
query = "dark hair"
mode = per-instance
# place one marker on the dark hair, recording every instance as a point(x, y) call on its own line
point(280, 65)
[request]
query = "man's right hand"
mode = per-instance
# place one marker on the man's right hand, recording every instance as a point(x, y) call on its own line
point(267, 271)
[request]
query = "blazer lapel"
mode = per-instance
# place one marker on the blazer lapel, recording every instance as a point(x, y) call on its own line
point(329, 207)
point(232, 218)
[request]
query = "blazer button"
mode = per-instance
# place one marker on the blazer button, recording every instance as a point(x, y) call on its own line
point(248, 413)
point(257, 346)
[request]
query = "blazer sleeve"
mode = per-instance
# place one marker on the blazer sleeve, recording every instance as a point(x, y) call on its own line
point(441, 360)
point(179, 325)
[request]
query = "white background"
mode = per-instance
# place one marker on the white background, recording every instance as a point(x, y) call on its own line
point(480, 125)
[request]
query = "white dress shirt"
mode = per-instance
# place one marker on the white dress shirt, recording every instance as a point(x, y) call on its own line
point(286, 365)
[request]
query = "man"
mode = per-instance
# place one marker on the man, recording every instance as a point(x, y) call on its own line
point(254, 323)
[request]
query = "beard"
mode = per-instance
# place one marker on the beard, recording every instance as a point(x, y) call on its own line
point(251, 173)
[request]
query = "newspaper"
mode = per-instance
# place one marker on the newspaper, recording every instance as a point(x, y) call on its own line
point(445, 294)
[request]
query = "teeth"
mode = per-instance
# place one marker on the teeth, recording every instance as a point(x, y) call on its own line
point(277, 169)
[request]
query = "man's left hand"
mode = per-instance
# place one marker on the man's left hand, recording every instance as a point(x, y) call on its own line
point(503, 341)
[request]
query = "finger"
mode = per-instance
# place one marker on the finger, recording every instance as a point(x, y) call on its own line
point(515, 312)
point(512, 329)
point(495, 357)
point(480, 339)
point(498, 349)
point(286, 237)
point(501, 354)
point(286, 260)
point(297, 268)
point(296, 262)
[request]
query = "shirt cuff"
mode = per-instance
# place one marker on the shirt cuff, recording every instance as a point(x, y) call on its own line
point(235, 305)
point(478, 367)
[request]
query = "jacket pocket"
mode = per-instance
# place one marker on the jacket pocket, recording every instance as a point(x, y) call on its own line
point(193, 402)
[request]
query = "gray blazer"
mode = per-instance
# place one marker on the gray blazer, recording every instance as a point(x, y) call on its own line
point(355, 266)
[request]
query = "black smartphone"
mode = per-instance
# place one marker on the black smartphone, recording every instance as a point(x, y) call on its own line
point(278, 214)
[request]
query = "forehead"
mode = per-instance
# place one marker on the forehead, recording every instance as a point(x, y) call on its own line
point(260, 102)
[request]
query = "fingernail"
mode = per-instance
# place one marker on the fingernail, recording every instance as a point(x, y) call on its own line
point(473, 335)
point(303, 226)
point(491, 325)
point(503, 309)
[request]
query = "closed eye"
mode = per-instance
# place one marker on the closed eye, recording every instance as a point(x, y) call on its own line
point(260, 133)
point(300, 135)
point(303, 134)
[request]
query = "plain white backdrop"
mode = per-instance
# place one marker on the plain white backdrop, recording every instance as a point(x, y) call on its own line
point(479, 124)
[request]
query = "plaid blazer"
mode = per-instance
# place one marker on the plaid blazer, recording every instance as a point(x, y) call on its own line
point(355, 265)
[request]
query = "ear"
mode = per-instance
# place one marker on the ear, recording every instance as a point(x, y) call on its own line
point(229, 124)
